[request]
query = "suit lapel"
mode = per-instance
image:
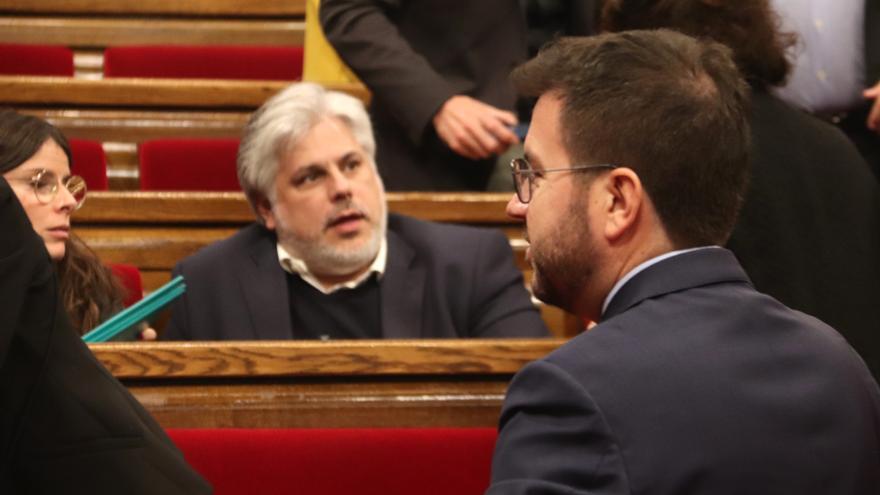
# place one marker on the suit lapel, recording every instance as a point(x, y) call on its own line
point(681, 272)
point(402, 291)
point(265, 291)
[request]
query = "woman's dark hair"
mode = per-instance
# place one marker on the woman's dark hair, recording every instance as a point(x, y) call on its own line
point(21, 136)
point(748, 27)
point(88, 289)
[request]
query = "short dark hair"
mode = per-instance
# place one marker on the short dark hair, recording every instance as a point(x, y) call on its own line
point(669, 107)
point(748, 27)
point(21, 136)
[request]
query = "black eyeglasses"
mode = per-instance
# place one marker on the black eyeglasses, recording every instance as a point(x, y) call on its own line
point(45, 184)
point(524, 175)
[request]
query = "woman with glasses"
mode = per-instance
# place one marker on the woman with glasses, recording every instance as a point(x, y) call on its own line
point(35, 159)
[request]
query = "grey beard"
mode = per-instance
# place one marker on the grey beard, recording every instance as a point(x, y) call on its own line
point(322, 259)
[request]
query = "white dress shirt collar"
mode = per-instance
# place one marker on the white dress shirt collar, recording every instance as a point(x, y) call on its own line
point(298, 267)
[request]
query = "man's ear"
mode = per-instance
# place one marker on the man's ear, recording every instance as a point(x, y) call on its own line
point(624, 202)
point(264, 209)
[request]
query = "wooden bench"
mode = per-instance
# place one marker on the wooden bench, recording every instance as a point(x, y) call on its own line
point(296, 384)
point(218, 8)
point(89, 26)
point(154, 230)
point(125, 111)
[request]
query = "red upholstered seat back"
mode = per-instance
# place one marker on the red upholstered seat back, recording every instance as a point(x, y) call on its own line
point(90, 162)
point(36, 60)
point(205, 62)
point(188, 165)
point(423, 461)
point(130, 277)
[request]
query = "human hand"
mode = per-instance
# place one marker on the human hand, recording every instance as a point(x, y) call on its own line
point(148, 334)
point(873, 122)
point(474, 129)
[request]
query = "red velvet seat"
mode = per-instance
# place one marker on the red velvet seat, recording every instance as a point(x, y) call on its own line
point(188, 165)
point(90, 162)
point(423, 461)
point(130, 277)
point(36, 60)
point(205, 62)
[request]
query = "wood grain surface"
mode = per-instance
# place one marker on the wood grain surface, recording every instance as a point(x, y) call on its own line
point(42, 91)
point(296, 384)
point(232, 8)
point(101, 32)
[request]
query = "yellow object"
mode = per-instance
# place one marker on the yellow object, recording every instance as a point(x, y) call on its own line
point(321, 63)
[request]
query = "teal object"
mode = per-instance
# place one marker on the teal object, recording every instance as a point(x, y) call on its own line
point(125, 324)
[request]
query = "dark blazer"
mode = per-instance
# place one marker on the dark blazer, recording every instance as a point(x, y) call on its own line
point(441, 281)
point(809, 230)
point(872, 42)
point(853, 123)
point(414, 55)
point(693, 383)
point(66, 425)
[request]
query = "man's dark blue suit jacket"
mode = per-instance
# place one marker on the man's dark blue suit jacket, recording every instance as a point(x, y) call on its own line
point(693, 383)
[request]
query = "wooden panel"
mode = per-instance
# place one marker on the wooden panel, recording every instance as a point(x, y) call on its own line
point(322, 384)
point(270, 359)
point(232, 207)
point(233, 8)
point(315, 403)
point(150, 248)
point(145, 92)
point(134, 126)
point(103, 32)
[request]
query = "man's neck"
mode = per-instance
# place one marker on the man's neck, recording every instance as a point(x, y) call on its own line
point(614, 265)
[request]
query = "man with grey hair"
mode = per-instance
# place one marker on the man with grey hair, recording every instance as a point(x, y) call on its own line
point(326, 261)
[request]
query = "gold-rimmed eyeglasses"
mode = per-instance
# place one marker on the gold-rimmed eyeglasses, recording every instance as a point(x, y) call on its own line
point(45, 184)
point(524, 175)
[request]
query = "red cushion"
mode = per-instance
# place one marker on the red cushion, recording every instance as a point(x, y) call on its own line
point(130, 277)
point(188, 165)
point(90, 162)
point(205, 62)
point(36, 60)
point(423, 461)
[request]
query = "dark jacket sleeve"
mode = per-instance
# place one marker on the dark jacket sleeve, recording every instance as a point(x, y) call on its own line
point(178, 325)
point(501, 306)
point(553, 439)
point(366, 38)
point(19, 251)
point(66, 424)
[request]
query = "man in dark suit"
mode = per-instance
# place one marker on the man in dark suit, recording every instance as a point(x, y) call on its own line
point(808, 233)
point(326, 261)
point(692, 381)
point(66, 425)
point(437, 70)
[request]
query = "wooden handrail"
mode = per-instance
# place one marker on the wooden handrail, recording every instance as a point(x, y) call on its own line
point(230, 8)
point(260, 360)
point(139, 207)
point(98, 33)
point(366, 384)
point(146, 92)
